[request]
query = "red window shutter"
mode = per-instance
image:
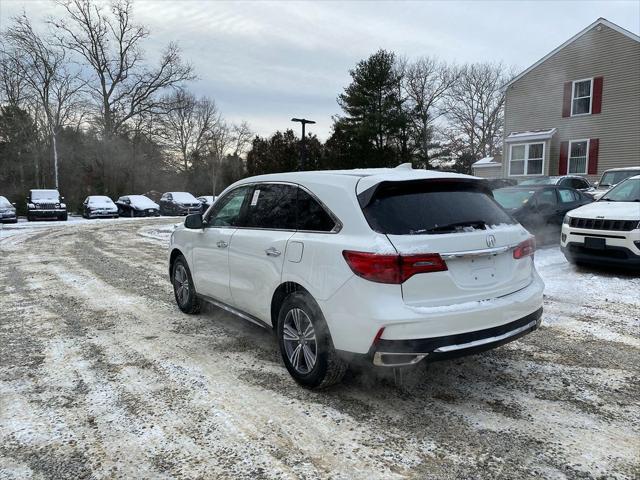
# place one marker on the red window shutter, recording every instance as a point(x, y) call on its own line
point(566, 102)
point(564, 155)
point(597, 95)
point(594, 145)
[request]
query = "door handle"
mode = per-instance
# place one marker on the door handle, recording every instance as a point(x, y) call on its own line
point(222, 244)
point(272, 252)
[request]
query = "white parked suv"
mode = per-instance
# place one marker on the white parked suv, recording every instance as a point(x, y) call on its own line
point(390, 266)
point(606, 232)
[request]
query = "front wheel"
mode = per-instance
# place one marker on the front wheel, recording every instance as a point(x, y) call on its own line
point(305, 343)
point(183, 288)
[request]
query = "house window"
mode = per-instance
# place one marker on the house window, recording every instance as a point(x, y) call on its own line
point(581, 97)
point(578, 156)
point(526, 159)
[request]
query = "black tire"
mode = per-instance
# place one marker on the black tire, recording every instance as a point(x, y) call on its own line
point(29, 218)
point(187, 300)
point(63, 217)
point(328, 368)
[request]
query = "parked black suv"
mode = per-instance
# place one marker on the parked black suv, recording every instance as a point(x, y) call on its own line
point(46, 204)
point(179, 203)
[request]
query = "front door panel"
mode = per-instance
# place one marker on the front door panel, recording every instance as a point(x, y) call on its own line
point(211, 262)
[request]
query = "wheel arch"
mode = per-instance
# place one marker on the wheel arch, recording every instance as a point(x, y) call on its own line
point(175, 253)
point(283, 290)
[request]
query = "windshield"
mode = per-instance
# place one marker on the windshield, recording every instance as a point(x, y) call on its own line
point(539, 181)
point(613, 178)
point(5, 203)
point(628, 191)
point(45, 195)
point(100, 200)
point(511, 198)
point(141, 201)
point(423, 207)
point(183, 197)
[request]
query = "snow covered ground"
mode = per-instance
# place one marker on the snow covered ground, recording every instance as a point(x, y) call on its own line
point(102, 377)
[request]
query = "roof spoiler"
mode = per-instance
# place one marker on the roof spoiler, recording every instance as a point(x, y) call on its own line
point(365, 197)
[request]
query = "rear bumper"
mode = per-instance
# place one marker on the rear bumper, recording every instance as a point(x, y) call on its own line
point(406, 352)
point(360, 309)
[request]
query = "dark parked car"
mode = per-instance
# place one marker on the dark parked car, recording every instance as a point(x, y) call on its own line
point(570, 181)
point(137, 206)
point(540, 208)
point(46, 204)
point(99, 206)
point(207, 201)
point(7, 211)
point(179, 203)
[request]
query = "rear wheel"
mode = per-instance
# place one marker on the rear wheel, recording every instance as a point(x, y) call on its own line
point(305, 343)
point(183, 288)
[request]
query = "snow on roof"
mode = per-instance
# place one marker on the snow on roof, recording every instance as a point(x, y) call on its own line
point(599, 21)
point(531, 135)
point(486, 162)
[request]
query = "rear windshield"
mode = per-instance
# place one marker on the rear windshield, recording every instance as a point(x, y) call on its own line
point(4, 202)
point(427, 207)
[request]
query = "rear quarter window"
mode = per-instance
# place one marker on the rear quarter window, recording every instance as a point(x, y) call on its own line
point(427, 207)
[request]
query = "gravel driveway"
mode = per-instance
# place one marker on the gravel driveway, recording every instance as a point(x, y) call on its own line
point(102, 377)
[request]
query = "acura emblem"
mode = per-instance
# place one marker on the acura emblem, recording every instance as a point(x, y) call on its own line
point(491, 241)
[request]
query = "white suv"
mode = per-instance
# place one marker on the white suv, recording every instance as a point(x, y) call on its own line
point(606, 232)
point(387, 265)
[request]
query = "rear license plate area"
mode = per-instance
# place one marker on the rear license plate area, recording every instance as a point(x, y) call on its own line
point(595, 243)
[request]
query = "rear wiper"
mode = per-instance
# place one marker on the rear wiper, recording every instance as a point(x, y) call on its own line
point(453, 226)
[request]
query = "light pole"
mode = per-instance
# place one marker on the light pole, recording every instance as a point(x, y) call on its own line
point(303, 149)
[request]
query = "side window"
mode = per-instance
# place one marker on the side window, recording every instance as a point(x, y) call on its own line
point(227, 211)
point(311, 215)
point(566, 196)
point(579, 183)
point(547, 198)
point(272, 206)
point(566, 182)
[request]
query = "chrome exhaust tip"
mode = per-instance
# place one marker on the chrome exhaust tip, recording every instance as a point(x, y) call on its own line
point(387, 359)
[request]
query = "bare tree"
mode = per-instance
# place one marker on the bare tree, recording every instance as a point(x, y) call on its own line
point(227, 140)
point(189, 125)
point(475, 109)
point(427, 82)
point(110, 46)
point(43, 68)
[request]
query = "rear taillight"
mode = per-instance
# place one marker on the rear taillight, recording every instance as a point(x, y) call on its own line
point(525, 249)
point(392, 268)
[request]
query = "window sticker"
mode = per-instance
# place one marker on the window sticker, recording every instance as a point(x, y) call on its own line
point(254, 200)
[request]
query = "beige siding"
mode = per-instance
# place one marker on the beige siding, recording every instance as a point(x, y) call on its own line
point(488, 172)
point(534, 102)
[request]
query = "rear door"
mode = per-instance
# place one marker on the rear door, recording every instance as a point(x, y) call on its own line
point(256, 253)
point(461, 222)
point(210, 267)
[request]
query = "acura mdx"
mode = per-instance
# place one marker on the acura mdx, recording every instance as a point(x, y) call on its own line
point(389, 266)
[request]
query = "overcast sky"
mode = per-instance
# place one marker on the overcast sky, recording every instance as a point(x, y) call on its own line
point(265, 62)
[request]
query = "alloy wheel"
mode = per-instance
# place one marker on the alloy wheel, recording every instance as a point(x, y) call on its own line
point(300, 343)
point(181, 284)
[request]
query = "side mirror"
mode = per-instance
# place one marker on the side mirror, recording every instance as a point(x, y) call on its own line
point(14, 204)
point(194, 221)
point(62, 199)
point(595, 184)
